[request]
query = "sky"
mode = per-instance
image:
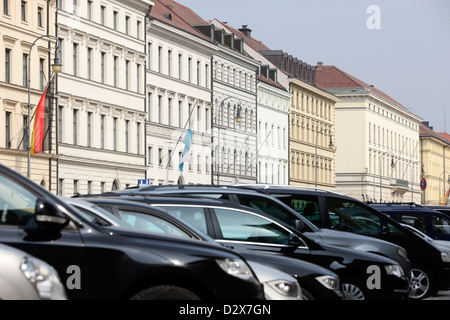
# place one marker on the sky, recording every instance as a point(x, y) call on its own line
point(402, 47)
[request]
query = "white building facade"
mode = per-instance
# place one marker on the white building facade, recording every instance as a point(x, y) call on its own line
point(100, 117)
point(377, 141)
point(179, 91)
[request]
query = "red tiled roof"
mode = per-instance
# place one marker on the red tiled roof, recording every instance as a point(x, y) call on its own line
point(330, 77)
point(427, 131)
point(164, 7)
point(189, 16)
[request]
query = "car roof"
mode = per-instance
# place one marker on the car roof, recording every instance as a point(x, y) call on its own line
point(399, 206)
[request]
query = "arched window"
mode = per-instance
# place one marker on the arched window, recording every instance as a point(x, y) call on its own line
point(115, 185)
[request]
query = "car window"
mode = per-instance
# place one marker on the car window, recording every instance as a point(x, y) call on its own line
point(242, 226)
point(194, 216)
point(268, 207)
point(351, 216)
point(413, 219)
point(306, 205)
point(441, 225)
point(150, 223)
point(17, 204)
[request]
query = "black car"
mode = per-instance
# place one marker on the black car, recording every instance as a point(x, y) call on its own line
point(432, 222)
point(279, 210)
point(316, 282)
point(239, 226)
point(97, 261)
point(332, 210)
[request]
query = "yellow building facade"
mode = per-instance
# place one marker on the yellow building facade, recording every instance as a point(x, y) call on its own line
point(435, 158)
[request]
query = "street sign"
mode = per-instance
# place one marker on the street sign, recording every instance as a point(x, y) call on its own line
point(423, 184)
point(143, 183)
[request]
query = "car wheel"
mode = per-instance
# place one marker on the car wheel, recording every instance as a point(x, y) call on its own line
point(421, 283)
point(353, 289)
point(165, 292)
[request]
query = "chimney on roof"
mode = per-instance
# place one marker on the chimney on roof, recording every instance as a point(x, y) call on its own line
point(319, 65)
point(246, 31)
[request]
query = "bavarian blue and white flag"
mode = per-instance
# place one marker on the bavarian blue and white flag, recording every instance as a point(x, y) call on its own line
point(187, 149)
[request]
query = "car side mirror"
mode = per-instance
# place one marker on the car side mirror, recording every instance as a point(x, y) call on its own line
point(47, 215)
point(294, 240)
point(299, 225)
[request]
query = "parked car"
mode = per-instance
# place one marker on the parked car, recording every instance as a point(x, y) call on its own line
point(433, 223)
point(328, 209)
point(239, 226)
point(316, 282)
point(97, 261)
point(24, 277)
point(279, 210)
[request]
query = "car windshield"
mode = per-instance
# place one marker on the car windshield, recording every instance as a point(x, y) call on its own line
point(346, 215)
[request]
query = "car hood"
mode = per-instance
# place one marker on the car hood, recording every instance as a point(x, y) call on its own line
point(355, 241)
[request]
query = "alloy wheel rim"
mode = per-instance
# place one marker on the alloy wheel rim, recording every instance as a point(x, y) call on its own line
point(419, 284)
point(352, 292)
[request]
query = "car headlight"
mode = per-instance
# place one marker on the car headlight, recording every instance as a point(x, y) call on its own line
point(445, 257)
point(44, 278)
point(286, 288)
point(329, 282)
point(395, 270)
point(402, 253)
point(236, 267)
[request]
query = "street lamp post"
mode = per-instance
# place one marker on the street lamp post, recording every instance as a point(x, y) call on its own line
point(237, 118)
point(56, 68)
point(330, 145)
point(381, 180)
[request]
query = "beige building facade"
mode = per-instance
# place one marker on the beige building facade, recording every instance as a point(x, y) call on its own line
point(26, 53)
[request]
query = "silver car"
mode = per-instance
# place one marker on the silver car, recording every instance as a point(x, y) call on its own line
point(24, 277)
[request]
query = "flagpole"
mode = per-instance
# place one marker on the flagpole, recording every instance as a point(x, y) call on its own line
point(179, 139)
point(56, 67)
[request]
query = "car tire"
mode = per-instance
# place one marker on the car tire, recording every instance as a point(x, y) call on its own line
point(353, 289)
point(421, 284)
point(165, 292)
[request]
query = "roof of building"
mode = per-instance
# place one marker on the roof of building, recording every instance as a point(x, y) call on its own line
point(426, 131)
point(331, 77)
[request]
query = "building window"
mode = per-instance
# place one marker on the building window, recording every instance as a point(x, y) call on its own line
point(138, 29)
point(169, 63)
point(150, 155)
point(198, 73)
point(127, 135)
point(138, 78)
point(89, 63)
point(180, 65)
point(180, 114)
point(60, 123)
point(75, 59)
point(115, 134)
point(102, 131)
point(23, 10)
point(6, 7)
point(159, 108)
point(138, 134)
point(89, 129)
point(160, 156)
point(39, 17)
point(159, 59)
point(127, 74)
point(89, 187)
point(115, 14)
point(75, 187)
point(41, 74)
point(8, 130)
point(60, 187)
point(127, 25)
point(115, 70)
point(89, 9)
point(149, 55)
point(25, 131)
point(7, 65)
point(75, 126)
point(25, 70)
point(189, 69)
point(102, 15)
point(103, 67)
point(149, 106)
point(169, 111)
